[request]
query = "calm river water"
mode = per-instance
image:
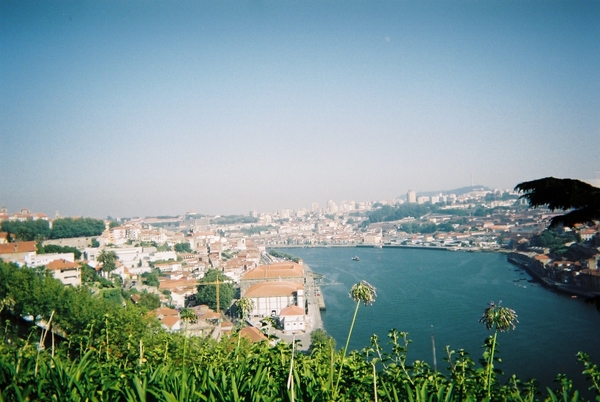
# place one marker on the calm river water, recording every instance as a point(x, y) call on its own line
point(450, 290)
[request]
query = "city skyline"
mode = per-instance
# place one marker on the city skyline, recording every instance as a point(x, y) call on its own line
point(144, 109)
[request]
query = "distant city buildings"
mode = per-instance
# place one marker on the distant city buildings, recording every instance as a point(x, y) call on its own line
point(411, 196)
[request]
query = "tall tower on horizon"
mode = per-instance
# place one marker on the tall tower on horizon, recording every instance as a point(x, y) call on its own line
point(411, 196)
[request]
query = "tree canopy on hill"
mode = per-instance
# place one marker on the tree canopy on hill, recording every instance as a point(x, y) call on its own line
point(62, 228)
point(232, 219)
point(580, 200)
point(27, 230)
point(387, 213)
point(81, 227)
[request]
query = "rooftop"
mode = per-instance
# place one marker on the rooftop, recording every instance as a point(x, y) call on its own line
point(274, 271)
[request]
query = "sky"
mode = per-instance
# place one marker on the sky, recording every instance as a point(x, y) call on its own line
point(143, 108)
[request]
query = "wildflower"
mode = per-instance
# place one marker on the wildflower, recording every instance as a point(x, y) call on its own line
point(503, 319)
point(363, 292)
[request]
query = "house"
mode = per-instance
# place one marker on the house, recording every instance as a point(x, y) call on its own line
point(587, 234)
point(21, 252)
point(270, 298)
point(171, 323)
point(292, 318)
point(183, 291)
point(168, 317)
point(44, 259)
point(168, 266)
point(253, 334)
point(67, 272)
point(286, 271)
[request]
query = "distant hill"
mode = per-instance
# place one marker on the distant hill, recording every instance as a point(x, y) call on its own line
point(458, 191)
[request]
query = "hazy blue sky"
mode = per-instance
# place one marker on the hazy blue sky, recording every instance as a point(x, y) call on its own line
point(129, 108)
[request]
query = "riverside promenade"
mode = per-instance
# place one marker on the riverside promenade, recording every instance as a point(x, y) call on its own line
point(313, 318)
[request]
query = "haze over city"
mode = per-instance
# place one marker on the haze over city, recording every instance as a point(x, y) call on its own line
point(158, 108)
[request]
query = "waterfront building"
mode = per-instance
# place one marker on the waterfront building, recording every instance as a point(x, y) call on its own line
point(282, 271)
point(270, 298)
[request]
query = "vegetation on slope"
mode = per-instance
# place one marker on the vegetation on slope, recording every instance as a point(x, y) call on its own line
point(113, 352)
point(61, 228)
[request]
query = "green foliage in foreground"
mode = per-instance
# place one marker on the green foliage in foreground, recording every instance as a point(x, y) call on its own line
point(235, 370)
point(115, 353)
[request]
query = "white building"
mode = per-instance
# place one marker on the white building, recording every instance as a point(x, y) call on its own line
point(43, 259)
point(270, 298)
point(67, 272)
point(292, 318)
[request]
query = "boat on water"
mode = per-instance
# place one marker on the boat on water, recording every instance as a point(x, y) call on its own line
point(355, 258)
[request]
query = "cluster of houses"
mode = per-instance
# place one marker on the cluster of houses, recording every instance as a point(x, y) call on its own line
point(62, 265)
point(576, 270)
point(279, 290)
point(275, 290)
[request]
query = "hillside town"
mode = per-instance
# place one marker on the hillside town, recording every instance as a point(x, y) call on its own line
point(168, 257)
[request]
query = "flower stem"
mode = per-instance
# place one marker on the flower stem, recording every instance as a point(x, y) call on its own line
point(337, 383)
point(490, 366)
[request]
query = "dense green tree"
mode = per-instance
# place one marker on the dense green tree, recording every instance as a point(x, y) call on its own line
point(151, 279)
point(579, 200)
point(388, 213)
point(319, 338)
point(112, 295)
point(30, 230)
point(207, 293)
point(88, 274)
point(232, 219)
point(553, 239)
point(481, 212)
point(183, 248)
point(149, 301)
point(80, 227)
point(416, 227)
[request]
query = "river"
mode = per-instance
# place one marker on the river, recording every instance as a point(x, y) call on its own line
point(418, 289)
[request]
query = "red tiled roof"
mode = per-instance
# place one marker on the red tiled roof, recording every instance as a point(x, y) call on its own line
point(169, 321)
point(58, 265)
point(292, 310)
point(274, 288)
point(164, 311)
point(253, 334)
point(18, 247)
point(274, 271)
